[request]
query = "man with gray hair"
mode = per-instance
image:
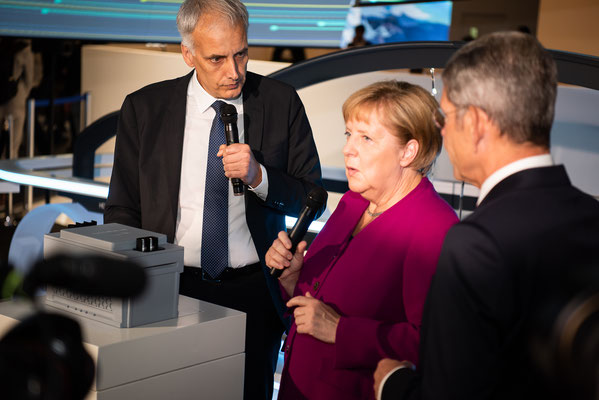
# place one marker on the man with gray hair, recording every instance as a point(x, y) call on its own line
point(531, 237)
point(168, 174)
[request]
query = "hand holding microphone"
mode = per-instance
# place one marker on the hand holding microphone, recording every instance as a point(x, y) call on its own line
point(228, 116)
point(314, 202)
point(280, 259)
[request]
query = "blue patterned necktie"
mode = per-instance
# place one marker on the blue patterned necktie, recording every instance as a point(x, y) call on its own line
point(215, 230)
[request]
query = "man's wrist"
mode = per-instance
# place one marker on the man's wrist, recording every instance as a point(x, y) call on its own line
point(258, 179)
point(261, 190)
point(379, 395)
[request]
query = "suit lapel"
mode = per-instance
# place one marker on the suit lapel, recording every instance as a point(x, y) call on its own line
point(174, 125)
point(253, 113)
point(253, 117)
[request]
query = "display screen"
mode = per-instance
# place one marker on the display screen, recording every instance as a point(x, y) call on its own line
point(315, 23)
point(400, 22)
point(360, 3)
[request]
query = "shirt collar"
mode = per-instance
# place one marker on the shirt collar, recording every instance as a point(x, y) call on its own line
point(543, 160)
point(204, 100)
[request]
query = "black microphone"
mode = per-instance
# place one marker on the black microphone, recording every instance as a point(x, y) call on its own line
point(315, 200)
point(90, 275)
point(228, 114)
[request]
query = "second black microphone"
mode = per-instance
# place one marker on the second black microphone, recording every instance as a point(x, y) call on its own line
point(314, 202)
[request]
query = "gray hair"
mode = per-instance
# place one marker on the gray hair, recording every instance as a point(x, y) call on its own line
point(511, 77)
point(191, 10)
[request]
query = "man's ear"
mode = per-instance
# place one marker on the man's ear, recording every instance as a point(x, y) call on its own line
point(479, 127)
point(410, 151)
point(187, 55)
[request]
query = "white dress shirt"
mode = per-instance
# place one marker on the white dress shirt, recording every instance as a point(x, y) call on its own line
point(543, 160)
point(198, 123)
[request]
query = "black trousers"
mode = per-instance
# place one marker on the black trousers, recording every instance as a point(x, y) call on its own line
point(249, 294)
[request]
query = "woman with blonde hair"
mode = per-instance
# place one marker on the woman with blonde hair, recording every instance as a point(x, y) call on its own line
point(357, 295)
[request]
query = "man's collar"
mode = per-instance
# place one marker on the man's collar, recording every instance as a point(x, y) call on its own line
point(543, 160)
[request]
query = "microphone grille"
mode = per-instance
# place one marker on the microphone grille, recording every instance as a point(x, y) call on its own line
point(228, 113)
point(317, 197)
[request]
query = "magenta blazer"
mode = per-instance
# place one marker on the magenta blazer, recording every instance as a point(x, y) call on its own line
point(377, 281)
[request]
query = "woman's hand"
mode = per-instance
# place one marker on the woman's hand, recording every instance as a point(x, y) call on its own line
point(278, 256)
point(314, 317)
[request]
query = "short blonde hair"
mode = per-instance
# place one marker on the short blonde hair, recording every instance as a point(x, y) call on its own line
point(406, 110)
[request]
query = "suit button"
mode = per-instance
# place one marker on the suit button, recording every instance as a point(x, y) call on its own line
point(286, 348)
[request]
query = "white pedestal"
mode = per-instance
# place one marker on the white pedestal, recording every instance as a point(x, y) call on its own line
point(199, 355)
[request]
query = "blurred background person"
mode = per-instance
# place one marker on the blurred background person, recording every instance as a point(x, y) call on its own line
point(17, 80)
point(359, 292)
point(359, 39)
point(290, 54)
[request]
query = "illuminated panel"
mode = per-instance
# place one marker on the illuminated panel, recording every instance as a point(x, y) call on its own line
point(285, 23)
point(79, 19)
point(312, 23)
point(59, 184)
point(420, 21)
point(29, 172)
point(376, 2)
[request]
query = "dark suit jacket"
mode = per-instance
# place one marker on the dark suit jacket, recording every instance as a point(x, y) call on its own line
point(144, 188)
point(499, 273)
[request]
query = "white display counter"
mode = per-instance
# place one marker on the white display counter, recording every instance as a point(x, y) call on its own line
point(199, 355)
